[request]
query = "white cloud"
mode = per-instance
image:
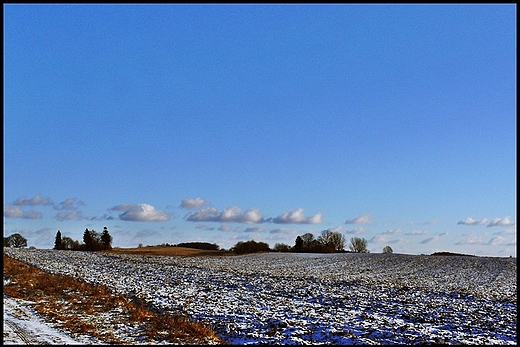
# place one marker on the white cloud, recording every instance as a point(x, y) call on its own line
point(284, 231)
point(32, 215)
point(297, 217)
point(379, 239)
point(501, 241)
point(471, 240)
point(204, 227)
point(259, 229)
point(430, 240)
point(364, 219)
point(225, 227)
point(194, 203)
point(68, 204)
point(61, 216)
point(505, 232)
point(391, 232)
point(429, 222)
point(356, 231)
point(232, 214)
point(435, 238)
point(501, 222)
point(141, 213)
point(417, 232)
point(207, 214)
point(11, 211)
point(471, 221)
point(382, 239)
point(252, 216)
point(37, 200)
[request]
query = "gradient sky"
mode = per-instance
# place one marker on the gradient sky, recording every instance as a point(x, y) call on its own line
point(226, 123)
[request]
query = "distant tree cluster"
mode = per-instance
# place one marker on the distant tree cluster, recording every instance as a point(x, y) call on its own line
point(327, 242)
point(15, 241)
point(250, 247)
point(200, 245)
point(92, 241)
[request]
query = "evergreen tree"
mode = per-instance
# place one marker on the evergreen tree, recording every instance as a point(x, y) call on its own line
point(87, 240)
point(308, 240)
point(106, 239)
point(58, 244)
point(298, 244)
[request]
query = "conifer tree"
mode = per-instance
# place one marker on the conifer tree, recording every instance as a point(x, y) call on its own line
point(58, 244)
point(87, 240)
point(106, 239)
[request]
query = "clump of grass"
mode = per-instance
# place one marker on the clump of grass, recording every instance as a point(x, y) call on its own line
point(75, 305)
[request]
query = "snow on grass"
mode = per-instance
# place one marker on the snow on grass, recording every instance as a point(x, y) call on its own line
point(289, 298)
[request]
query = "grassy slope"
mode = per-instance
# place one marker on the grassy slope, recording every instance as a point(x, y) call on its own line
point(76, 306)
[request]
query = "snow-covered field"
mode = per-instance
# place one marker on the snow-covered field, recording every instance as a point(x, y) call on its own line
point(288, 298)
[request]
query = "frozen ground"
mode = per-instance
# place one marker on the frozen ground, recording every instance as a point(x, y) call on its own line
point(24, 326)
point(287, 298)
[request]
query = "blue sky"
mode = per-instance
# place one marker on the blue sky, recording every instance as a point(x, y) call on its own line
point(226, 123)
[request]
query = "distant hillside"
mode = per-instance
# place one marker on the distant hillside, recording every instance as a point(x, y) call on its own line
point(167, 251)
point(453, 254)
point(200, 245)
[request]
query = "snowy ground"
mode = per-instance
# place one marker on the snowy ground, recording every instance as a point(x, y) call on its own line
point(24, 326)
point(287, 298)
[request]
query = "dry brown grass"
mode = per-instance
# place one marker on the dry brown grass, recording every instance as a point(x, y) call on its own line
point(77, 306)
point(168, 251)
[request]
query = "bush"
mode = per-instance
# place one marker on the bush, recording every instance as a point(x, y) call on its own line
point(388, 250)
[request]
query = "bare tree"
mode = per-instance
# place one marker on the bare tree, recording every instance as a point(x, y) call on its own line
point(358, 245)
point(281, 247)
point(332, 239)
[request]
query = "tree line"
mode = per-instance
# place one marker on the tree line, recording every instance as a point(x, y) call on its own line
point(92, 241)
point(327, 242)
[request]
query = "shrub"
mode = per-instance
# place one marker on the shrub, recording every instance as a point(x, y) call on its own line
point(388, 250)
